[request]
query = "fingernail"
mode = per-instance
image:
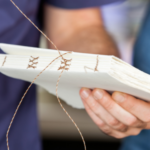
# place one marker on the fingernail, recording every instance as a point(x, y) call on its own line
point(98, 94)
point(120, 97)
point(85, 93)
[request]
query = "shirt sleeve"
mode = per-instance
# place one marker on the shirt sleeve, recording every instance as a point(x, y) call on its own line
point(75, 4)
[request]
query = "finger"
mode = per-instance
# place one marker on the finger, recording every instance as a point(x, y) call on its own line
point(120, 135)
point(108, 130)
point(100, 112)
point(99, 122)
point(102, 125)
point(138, 108)
point(147, 126)
point(114, 109)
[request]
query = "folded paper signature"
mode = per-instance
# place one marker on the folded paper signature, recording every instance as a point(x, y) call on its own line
point(111, 73)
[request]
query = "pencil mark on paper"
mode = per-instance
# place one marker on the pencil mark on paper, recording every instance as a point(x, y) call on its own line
point(33, 61)
point(65, 64)
point(4, 60)
point(95, 69)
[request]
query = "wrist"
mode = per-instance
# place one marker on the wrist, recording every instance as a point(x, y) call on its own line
point(91, 39)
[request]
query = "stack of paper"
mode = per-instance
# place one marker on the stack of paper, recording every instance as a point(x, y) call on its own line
point(82, 70)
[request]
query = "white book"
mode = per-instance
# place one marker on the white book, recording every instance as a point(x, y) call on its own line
point(112, 74)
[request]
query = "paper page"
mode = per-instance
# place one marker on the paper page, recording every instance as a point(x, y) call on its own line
point(20, 67)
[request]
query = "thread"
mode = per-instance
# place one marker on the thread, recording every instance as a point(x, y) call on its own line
point(37, 28)
point(36, 78)
point(66, 111)
point(25, 95)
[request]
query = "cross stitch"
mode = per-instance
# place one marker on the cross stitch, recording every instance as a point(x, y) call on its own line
point(34, 58)
point(66, 111)
point(33, 65)
point(25, 95)
point(4, 61)
point(95, 69)
point(65, 64)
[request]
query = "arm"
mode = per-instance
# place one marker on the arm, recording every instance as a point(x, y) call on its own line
point(83, 31)
point(79, 30)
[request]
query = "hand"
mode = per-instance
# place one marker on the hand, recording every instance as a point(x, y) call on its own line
point(118, 115)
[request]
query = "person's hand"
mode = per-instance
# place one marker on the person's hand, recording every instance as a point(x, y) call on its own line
point(118, 115)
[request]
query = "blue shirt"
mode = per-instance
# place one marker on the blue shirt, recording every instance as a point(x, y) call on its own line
point(141, 60)
point(16, 29)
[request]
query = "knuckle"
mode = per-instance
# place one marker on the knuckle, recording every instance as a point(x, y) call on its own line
point(122, 128)
point(87, 109)
point(130, 106)
point(119, 136)
point(107, 130)
point(136, 132)
point(113, 122)
point(141, 125)
point(107, 104)
point(146, 118)
point(101, 124)
point(131, 121)
point(147, 126)
point(92, 104)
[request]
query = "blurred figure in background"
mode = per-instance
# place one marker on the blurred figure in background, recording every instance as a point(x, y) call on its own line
point(122, 21)
point(72, 25)
point(103, 102)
